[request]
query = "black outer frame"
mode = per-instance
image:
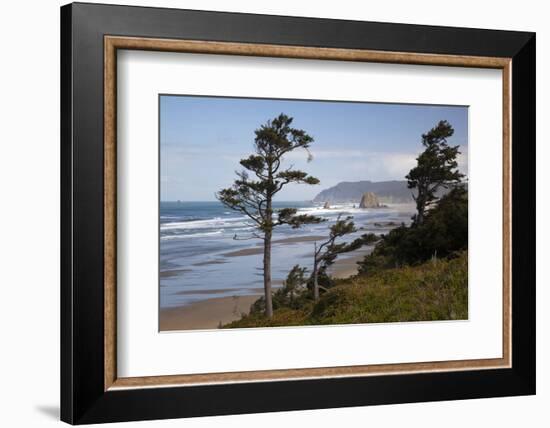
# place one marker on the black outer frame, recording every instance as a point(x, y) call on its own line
point(83, 399)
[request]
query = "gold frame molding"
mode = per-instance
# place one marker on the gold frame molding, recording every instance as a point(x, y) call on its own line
point(113, 43)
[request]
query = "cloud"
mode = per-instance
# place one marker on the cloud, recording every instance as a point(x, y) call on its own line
point(326, 154)
point(384, 166)
point(195, 150)
point(389, 166)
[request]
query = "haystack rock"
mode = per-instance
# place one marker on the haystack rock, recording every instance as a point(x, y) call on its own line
point(326, 206)
point(369, 200)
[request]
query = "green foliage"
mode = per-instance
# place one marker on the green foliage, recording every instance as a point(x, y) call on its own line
point(432, 291)
point(436, 168)
point(282, 317)
point(262, 178)
point(324, 280)
point(293, 286)
point(370, 238)
point(288, 216)
point(327, 251)
point(292, 294)
point(443, 233)
point(253, 191)
point(414, 273)
point(435, 290)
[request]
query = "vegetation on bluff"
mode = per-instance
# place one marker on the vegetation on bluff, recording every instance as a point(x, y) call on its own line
point(434, 290)
point(414, 273)
point(443, 233)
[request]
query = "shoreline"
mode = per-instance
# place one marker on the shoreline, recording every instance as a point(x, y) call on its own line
point(200, 315)
point(210, 313)
point(258, 249)
point(346, 267)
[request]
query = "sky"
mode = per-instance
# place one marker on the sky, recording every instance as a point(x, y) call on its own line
point(202, 140)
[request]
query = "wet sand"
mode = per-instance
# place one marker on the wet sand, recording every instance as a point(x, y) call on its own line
point(209, 313)
point(171, 273)
point(346, 267)
point(259, 248)
point(206, 314)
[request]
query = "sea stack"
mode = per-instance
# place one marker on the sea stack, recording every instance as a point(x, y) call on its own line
point(326, 206)
point(369, 200)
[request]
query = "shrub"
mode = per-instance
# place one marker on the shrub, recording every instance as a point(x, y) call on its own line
point(443, 233)
point(434, 290)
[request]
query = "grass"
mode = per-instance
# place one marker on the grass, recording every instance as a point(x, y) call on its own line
point(435, 290)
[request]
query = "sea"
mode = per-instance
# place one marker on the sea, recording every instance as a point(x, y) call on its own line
point(209, 251)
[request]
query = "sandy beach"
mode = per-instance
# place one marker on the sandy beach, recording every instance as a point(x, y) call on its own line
point(211, 267)
point(209, 313)
point(206, 314)
point(346, 267)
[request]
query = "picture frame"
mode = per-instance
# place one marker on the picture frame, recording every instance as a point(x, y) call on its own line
point(91, 390)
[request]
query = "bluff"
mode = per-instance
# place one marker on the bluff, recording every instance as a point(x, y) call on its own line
point(394, 191)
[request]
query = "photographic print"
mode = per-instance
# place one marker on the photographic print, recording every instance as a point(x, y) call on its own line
point(271, 197)
point(278, 212)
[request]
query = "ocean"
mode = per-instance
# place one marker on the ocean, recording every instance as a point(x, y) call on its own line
point(201, 259)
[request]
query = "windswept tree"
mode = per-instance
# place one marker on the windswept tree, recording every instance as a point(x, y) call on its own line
point(326, 252)
point(293, 286)
point(436, 168)
point(263, 177)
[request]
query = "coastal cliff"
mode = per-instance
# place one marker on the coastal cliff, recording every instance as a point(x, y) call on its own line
point(395, 191)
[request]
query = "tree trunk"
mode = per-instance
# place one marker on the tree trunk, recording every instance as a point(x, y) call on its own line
point(420, 205)
point(315, 276)
point(267, 274)
point(420, 215)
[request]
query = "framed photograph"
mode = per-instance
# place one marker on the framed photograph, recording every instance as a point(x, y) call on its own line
point(266, 213)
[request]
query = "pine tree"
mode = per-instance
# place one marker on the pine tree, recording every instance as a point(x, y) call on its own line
point(253, 196)
point(436, 168)
point(326, 252)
